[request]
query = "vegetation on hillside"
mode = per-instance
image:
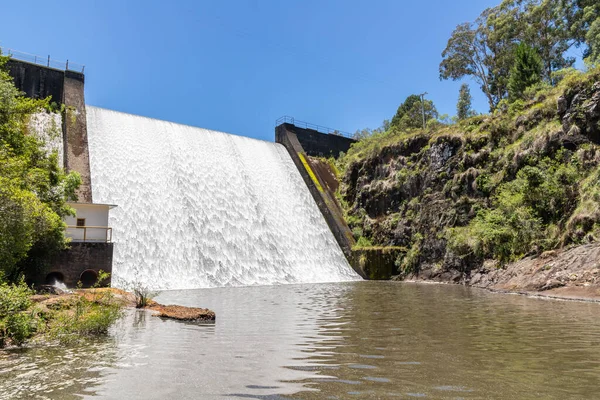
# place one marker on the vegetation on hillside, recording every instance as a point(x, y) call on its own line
point(518, 181)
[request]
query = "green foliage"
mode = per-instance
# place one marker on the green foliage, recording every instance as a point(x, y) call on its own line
point(526, 71)
point(539, 197)
point(463, 107)
point(410, 113)
point(87, 316)
point(363, 242)
point(17, 323)
point(33, 187)
point(582, 17)
point(411, 260)
point(484, 49)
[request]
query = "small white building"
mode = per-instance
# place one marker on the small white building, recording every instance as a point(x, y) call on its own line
point(90, 224)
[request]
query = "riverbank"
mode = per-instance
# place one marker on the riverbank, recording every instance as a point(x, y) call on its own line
point(66, 316)
point(567, 274)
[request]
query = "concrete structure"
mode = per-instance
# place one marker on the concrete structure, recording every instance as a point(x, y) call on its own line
point(80, 263)
point(286, 135)
point(91, 249)
point(317, 144)
point(36, 81)
point(316, 140)
point(65, 87)
point(90, 224)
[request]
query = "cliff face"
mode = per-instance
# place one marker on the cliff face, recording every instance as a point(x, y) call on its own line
point(495, 187)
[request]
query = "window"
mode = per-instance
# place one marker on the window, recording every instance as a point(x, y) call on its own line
point(81, 222)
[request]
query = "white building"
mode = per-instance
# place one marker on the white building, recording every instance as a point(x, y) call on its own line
point(90, 224)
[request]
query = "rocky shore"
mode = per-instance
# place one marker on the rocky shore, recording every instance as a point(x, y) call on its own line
point(570, 274)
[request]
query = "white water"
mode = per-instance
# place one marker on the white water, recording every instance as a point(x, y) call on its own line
point(199, 208)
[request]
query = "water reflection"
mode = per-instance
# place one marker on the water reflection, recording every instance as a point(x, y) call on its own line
point(364, 339)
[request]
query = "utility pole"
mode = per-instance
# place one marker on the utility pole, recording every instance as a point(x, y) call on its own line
point(423, 106)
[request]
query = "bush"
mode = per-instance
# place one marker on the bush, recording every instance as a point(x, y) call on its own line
point(92, 313)
point(17, 323)
point(142, 295)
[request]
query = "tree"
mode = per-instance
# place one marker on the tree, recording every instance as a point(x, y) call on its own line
point(463, 107)
point(583, 19)
point(483, 50)
point(544, 27)
point(526, 71)
point(33, 188)
point(410, 113)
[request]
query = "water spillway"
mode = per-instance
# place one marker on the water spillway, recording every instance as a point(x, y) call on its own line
point(200, 208)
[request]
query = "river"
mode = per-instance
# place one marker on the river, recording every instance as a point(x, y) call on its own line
point(336, 341)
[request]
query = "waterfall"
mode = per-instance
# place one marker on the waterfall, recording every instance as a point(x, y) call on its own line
point(200, 208)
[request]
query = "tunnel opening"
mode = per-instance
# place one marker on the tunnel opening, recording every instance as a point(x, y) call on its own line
point(54, 278)
point(88, 278)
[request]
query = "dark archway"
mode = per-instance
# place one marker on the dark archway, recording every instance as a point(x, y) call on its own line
point(54, 277)
point(88, 278)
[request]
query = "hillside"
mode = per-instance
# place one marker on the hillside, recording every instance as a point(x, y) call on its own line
point(487, 191)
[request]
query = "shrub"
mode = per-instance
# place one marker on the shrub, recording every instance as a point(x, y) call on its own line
point(142, 295)
point(92, 313)
point(363, 242)
point(17, 323)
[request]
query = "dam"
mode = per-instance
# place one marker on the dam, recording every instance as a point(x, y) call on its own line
point(200, 208)
point(189, 207)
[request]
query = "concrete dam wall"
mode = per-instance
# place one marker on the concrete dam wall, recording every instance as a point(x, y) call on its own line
point(200, 208)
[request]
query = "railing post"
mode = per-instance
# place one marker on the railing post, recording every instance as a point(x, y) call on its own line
point(84, 233)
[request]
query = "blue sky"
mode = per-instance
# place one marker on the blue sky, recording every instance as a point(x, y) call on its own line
point(236, 66)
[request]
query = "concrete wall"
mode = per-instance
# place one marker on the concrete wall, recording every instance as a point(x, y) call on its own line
point(319, 144)
point(37, 81)
point(71, 263)
point(285, 135)
point(77, 156)
point(66, 87)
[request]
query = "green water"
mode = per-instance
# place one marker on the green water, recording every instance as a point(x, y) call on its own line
point(347, 340)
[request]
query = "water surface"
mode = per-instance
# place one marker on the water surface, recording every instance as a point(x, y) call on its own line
point(342, 340)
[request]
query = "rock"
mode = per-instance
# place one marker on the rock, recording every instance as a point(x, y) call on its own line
point(182, 313)
point(562, 105)
point(574, 131)
point(552, 284)
point(49, 289)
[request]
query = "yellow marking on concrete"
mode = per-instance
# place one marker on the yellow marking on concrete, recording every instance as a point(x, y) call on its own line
point(310, 172)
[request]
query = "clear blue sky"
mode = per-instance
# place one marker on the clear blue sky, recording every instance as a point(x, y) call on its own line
point(236, 66)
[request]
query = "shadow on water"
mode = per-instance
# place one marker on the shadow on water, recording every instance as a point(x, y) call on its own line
point(363, 339)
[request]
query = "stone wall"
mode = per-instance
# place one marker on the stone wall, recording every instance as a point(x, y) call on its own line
point(80, 257)
point(77, 156)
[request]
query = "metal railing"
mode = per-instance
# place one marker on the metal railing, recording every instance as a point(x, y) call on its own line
point(307, 125)
point(86, 238)
point(41, 60)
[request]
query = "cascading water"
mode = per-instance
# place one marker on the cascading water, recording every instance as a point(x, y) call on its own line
point(199, 208)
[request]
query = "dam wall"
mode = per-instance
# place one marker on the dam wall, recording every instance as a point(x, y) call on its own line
point(286, 134)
